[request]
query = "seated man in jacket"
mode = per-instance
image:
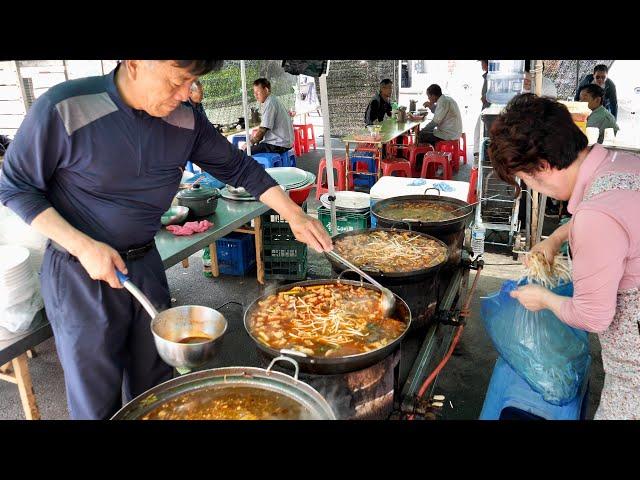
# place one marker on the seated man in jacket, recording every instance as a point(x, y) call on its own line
point(600, 117)
point(380, 104)
point(600, 78)
point(446, 123)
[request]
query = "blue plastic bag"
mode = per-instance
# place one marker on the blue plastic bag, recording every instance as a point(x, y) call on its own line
point(552, 357)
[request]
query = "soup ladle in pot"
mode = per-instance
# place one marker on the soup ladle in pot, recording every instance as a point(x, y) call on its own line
point(387, 300)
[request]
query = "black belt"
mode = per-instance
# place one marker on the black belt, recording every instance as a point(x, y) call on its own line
point(132, 253)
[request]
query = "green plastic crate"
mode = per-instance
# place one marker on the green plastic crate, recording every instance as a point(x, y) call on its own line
point(285, 260)
point(345, 222)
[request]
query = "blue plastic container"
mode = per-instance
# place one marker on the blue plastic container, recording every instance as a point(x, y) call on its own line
point(268, 160)
point(236, 139)
point(369, 161)
point(236, 253)
point(510, 397)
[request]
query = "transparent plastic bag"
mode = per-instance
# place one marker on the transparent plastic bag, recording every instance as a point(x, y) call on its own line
point(552, 357)
point(18, 312)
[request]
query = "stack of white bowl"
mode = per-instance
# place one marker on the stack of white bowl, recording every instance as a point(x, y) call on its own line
point(19, 292)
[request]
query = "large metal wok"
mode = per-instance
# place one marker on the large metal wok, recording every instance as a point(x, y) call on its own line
point(332, 365)
point(312, 404)
point(449, 231)
point(390, 278)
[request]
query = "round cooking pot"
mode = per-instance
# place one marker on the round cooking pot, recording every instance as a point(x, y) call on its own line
point(314, 406)
point(201, 200)
point(451, 231)
point(389, 277)
point(332, 365)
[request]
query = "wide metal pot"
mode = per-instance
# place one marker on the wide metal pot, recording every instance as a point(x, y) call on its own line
point(418, 288)
point(390, 278)
point(332, 365)
point(201, 201)
point(451, 231)
point(313, 405)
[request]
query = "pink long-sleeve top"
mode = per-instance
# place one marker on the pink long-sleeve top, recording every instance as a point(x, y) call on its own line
point(605, 240)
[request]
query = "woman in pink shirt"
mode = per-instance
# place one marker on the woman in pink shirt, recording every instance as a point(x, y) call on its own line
point(536, 140)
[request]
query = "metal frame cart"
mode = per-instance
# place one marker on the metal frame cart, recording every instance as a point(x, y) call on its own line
point(499, 207)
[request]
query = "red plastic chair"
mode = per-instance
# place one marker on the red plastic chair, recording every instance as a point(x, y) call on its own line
point(452, 147)
point(462, 147)
point(308, 137)
point(430, 165)
point(393, 165)
point(414, 151)
point(472, 196)
point(298, 143)
point(339, 165)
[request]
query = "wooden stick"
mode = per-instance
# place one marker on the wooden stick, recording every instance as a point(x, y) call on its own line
point(535, 204)
point(25, 388)
point(259, 260)
point(213, 252)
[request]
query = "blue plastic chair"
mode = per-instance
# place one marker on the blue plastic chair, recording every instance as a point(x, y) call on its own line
point(510, 397)
point(268, 160)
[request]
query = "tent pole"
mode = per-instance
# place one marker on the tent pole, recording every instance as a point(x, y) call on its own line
point(245, 106)
point(324, 105)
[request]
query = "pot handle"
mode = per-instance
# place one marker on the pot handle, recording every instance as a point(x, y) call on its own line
point(432, 188)
point(349, 270)
point(393, 225)
point(288, 359)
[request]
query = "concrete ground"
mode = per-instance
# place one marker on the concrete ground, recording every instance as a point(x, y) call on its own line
point(463, 380)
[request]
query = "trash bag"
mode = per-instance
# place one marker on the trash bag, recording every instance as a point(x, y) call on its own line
point(552, 357)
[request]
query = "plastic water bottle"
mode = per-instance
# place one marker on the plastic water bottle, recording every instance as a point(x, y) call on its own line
point(505, 80)
point(477, 237)
point(206, 263)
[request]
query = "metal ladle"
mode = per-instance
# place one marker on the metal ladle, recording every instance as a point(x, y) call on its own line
point(387, 300)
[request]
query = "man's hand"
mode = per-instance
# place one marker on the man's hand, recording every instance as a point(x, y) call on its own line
point(310, 231)
point(532, 297)
point(100, 262)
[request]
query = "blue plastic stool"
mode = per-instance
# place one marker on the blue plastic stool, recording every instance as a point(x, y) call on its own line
point(268, 160)
point(236, 139)
point(510, 397)
point(288, 158)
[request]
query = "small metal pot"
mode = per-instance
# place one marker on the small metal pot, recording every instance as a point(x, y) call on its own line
point(201, 200)
point(173, 325)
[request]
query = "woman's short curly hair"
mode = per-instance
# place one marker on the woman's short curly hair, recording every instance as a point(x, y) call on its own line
point(532, 129)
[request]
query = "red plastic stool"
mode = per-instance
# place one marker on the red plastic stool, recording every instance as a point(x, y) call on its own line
point(339, 165)
point(308, 136)
point(462, 147)
point(414, 151)
point(393, 165)
point(472, 196)
point(452, 147)
point(431, 162)
point(298, 142)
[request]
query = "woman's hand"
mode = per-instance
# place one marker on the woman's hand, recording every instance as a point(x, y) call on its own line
point(549, 247)
point(532, 297)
